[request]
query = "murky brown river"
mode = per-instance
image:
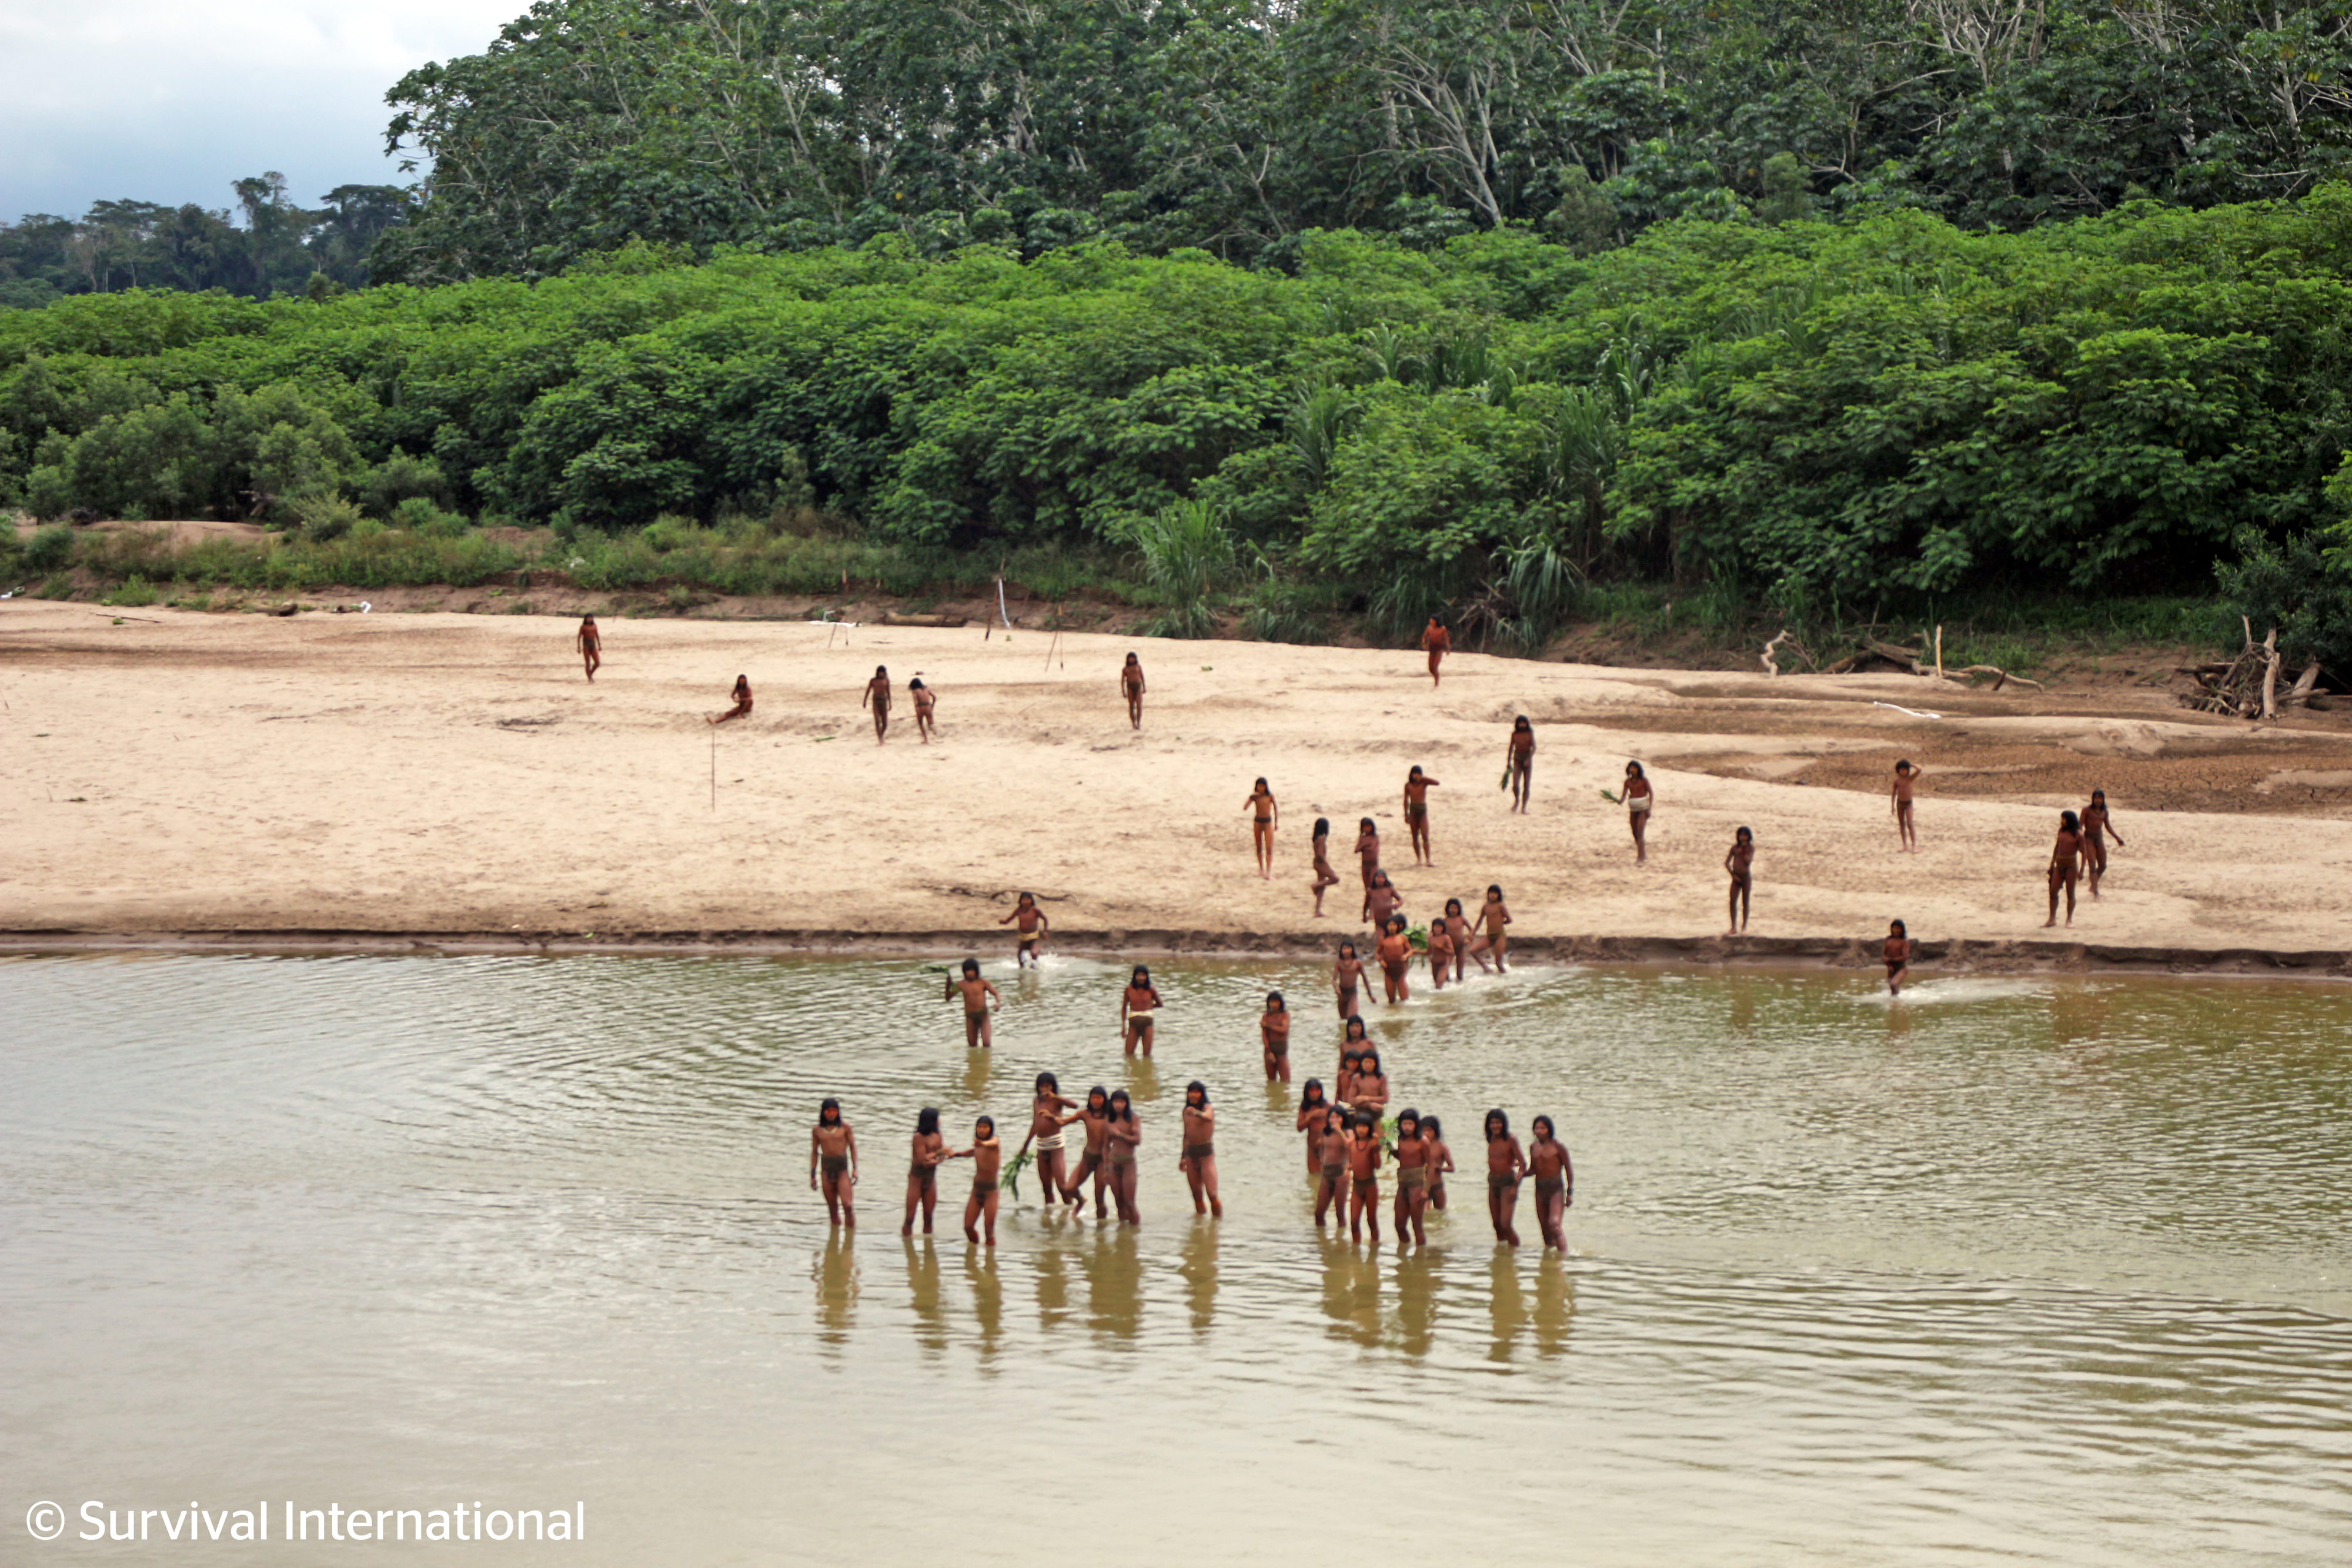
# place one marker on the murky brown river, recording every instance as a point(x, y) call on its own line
point(2031, 1271)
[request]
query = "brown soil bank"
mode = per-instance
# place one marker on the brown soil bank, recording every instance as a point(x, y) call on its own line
point(347, 780)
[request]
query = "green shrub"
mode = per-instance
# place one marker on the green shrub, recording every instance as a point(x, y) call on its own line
point(420, 515)
point(50, 548)
point(138, 591)
point(324, 514)
point(1187, 555)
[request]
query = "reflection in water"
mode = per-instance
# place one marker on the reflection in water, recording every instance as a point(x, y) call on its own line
point(1351, 1292)
point(1555, 1312)
point(987, 1296)
point(1743, 1007)
point(923, 1292)
point(1507, 1303)
point(1114, 1282)
point(1200, 1270)
point(1051, 1262)
point(1142, 1081)
point(1417, 1276)
point(976, 1065)
point(835, 1274)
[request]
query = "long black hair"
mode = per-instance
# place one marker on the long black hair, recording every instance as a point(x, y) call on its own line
point(986, 1121)
point(1498, 1125)
point(1322, 828)
point(831, 1107)
point(1120, 1097)
point(2069, 823)
point(1275, 1004)
point(1429, 1128)
point(1352, 1030)
point(927, 1121)
point(1101, 1094)
point(1372, 1059)
point(1047, 1080)
point(1313, 1095)
point(1549, 1129)
point(1204, 1090)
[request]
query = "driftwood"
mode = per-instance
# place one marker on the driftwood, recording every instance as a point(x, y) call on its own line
point(1772, 666)
point(1917, 661)
point(2247, 686)
point(889, 619)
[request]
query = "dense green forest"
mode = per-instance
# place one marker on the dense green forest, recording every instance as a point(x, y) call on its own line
point(269, 245)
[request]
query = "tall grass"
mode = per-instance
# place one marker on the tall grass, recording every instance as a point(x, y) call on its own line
point(1187, 555)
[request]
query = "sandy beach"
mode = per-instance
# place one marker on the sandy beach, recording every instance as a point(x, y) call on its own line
point(450, 779)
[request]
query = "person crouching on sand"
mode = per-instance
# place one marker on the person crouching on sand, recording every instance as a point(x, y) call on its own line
point(979, 999)
point(833, 1161)
point(742, 708)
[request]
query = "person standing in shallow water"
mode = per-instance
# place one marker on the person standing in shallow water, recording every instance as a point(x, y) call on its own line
point(987, 1157)
point(1198, 1161)
point(1093, 1117)
point(1412, 1178)
point(1437, 642)
point(1547, 1162)
point(878, 697)
point(1123, 1138)
point(1505, 1165)
point(591, 645)
point(923, 1170)
point(1138, 1005)
point(1130, 686)
point(1273, 1038)
point(832, 1163)
point(1050, 1112)
point(979, 999)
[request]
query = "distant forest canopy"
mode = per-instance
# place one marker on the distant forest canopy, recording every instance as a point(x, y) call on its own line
point(1238, 126)
point(267, 244)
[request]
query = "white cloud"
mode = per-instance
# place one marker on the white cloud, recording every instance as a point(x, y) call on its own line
point(170, 102)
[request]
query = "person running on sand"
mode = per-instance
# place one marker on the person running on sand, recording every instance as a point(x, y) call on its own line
point(1412, 1178)
point(1331, 1146)
point(1324, 875)
point(2097, 824)
point(1895, 953)
point(1137, 1005)
point(1347, 976)
point(1441, 1160)
point(1122, 1136)
point(878, 697)
point(1031, 932)
point(1438, 643)
point(1494, 916)
point(591, 645)
point(1381, 900)
point(1312, 1105)
point(979, 999)
point(1547, 1162)
point(742, 708)
point(1898, 795)
point(2064, 867)
point(1199, 1160)
point(987, 1157)
point(926, 700)
point(1396, 960)
point(832, 1163)
point(1442, 955)
point(1130, 686)
point(923, 1173)
point(1458, 926)
point(1050, 1114)
point(1638, 799)
point(1368, 849)
point(1371, 1090)
point(1417, 785)
point(1093, 1117)
point(1505, 1165)
point(1364, 1152)
point(1273, 1036)
point(1742, 863)
point(1519, 763)
point(1262, 812)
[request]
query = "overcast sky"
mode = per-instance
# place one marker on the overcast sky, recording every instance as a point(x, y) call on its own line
point(170, 100)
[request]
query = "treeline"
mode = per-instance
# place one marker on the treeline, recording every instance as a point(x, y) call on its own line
point(1243, 126)
point(1815, 417)
point(267, 244)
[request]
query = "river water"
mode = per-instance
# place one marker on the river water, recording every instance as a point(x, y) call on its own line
point(2009, 1272)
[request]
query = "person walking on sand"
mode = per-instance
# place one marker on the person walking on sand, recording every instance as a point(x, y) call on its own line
point(926, 700)
point(987, 1157)
point(1050, 1114)
point(1325, 877)
point(592, 646)
point(1093, 1117)
point(1262, 812)
point(1122, 1137)
point(1130, 686)
point(1519, 763)
point(1548, 1163)
point(1417, 785)
point(1742, 863)
point(2097, 824)
point(1137, 1005)
point(1198, 1161)
point(878, 697)
point(742, 708)
point(1638, 799)
point(1437, 642)
point(832, 1163)
point(1413, 1179)
point(1273, 1038)
point(979, 999)
point(2065, 868)
point(1898, 795)
point(1032, 931)
point(1494, 916)
point(923, 1170)
point(1505, 1165)
point(1368, 849)
point(1895, 953)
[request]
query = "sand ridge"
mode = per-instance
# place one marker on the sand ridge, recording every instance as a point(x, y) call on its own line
point(448, 774)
